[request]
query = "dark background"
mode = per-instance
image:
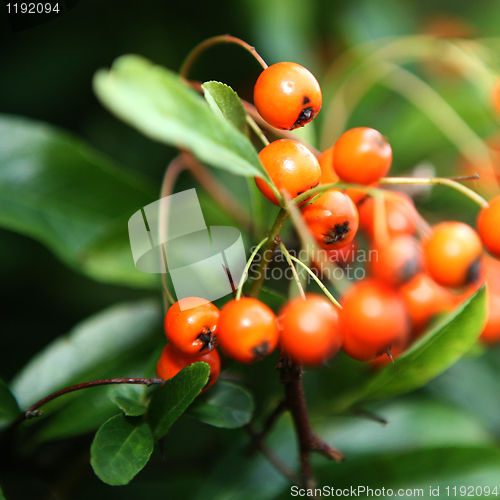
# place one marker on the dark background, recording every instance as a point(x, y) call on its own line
point(46, 74)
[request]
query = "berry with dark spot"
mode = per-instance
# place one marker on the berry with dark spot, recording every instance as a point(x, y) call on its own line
point(247, 330)
point(287, 95)
point(332, 219)
point(452, 254)
point(191, 326)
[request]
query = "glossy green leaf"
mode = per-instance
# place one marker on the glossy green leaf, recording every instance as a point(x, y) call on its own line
point(225, 102)
point(158, 103)
point(129, 399)
point(412, 423)
point(429, 356)
point(121, 448)
point(171, 400)
point(92, 344)
point(1, 495)
point(420, 469)
point(224, 405)
point(9, 409)
point(59, 191)
point(473, 384)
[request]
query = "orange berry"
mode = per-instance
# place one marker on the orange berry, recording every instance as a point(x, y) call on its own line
point(397, 261)
point(398, 347)
point(341, 257)
point(287, 95)
point(310, 329)
point(358, 195)
point(491, 332)
point(247, 330)
point(401, 215)
point(424, 299)
point(372, 319)
point(332, 219)
point(291, 167)
point(191, 324)
point(495, 96)
point(488, 224)
point(362, 155)
point(452, 254)
point(328, 174)
point(172, 361)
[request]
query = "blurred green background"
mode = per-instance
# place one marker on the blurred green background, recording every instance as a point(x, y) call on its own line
point(46, 75)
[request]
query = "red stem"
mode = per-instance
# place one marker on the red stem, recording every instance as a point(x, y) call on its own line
point(32, 412)
point(291, 378)
point(210, 42)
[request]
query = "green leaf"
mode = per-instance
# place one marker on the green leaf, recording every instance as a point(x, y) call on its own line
point(225, 103)
point(81, 414)
point(413, 423)
point(225, 405)
point(9, 409)
point(171, 400)
point(128, 399)
point(453, 466)
point(92, 344)
point(57, 190)
point(430, 356)
point(161, 105)
point(1, 495)
point(121, 448)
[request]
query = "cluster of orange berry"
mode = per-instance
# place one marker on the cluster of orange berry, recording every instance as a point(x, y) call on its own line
point(409, 281)
point(247, 330)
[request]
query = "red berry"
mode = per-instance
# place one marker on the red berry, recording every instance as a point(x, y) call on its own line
point(372, 319)
point(310, 329)
point(400, 215)
point(291, 167)
point(328, 174)
point(191, 324)
point(488, 225)
point(396, 261)
point(452, 254)
point(172, 361)
point(247, 330)
point(424, 299)
point(332, 219)
point(362, 155)
point(287, 95)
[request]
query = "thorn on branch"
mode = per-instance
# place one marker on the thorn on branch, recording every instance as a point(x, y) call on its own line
point(319, 446)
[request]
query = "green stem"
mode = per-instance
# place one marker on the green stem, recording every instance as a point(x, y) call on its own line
point(188, 63)
point(318, 281)
point(294, 271)
point(375, 192)
point(451, 124)
point(356, 71)
point(273, 240)
point(257, 130)
point(438, 180)
point(247, 267)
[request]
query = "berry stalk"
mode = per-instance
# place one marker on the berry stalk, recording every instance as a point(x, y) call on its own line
point(188, 63)
point(33, 412)
point(272, 242)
